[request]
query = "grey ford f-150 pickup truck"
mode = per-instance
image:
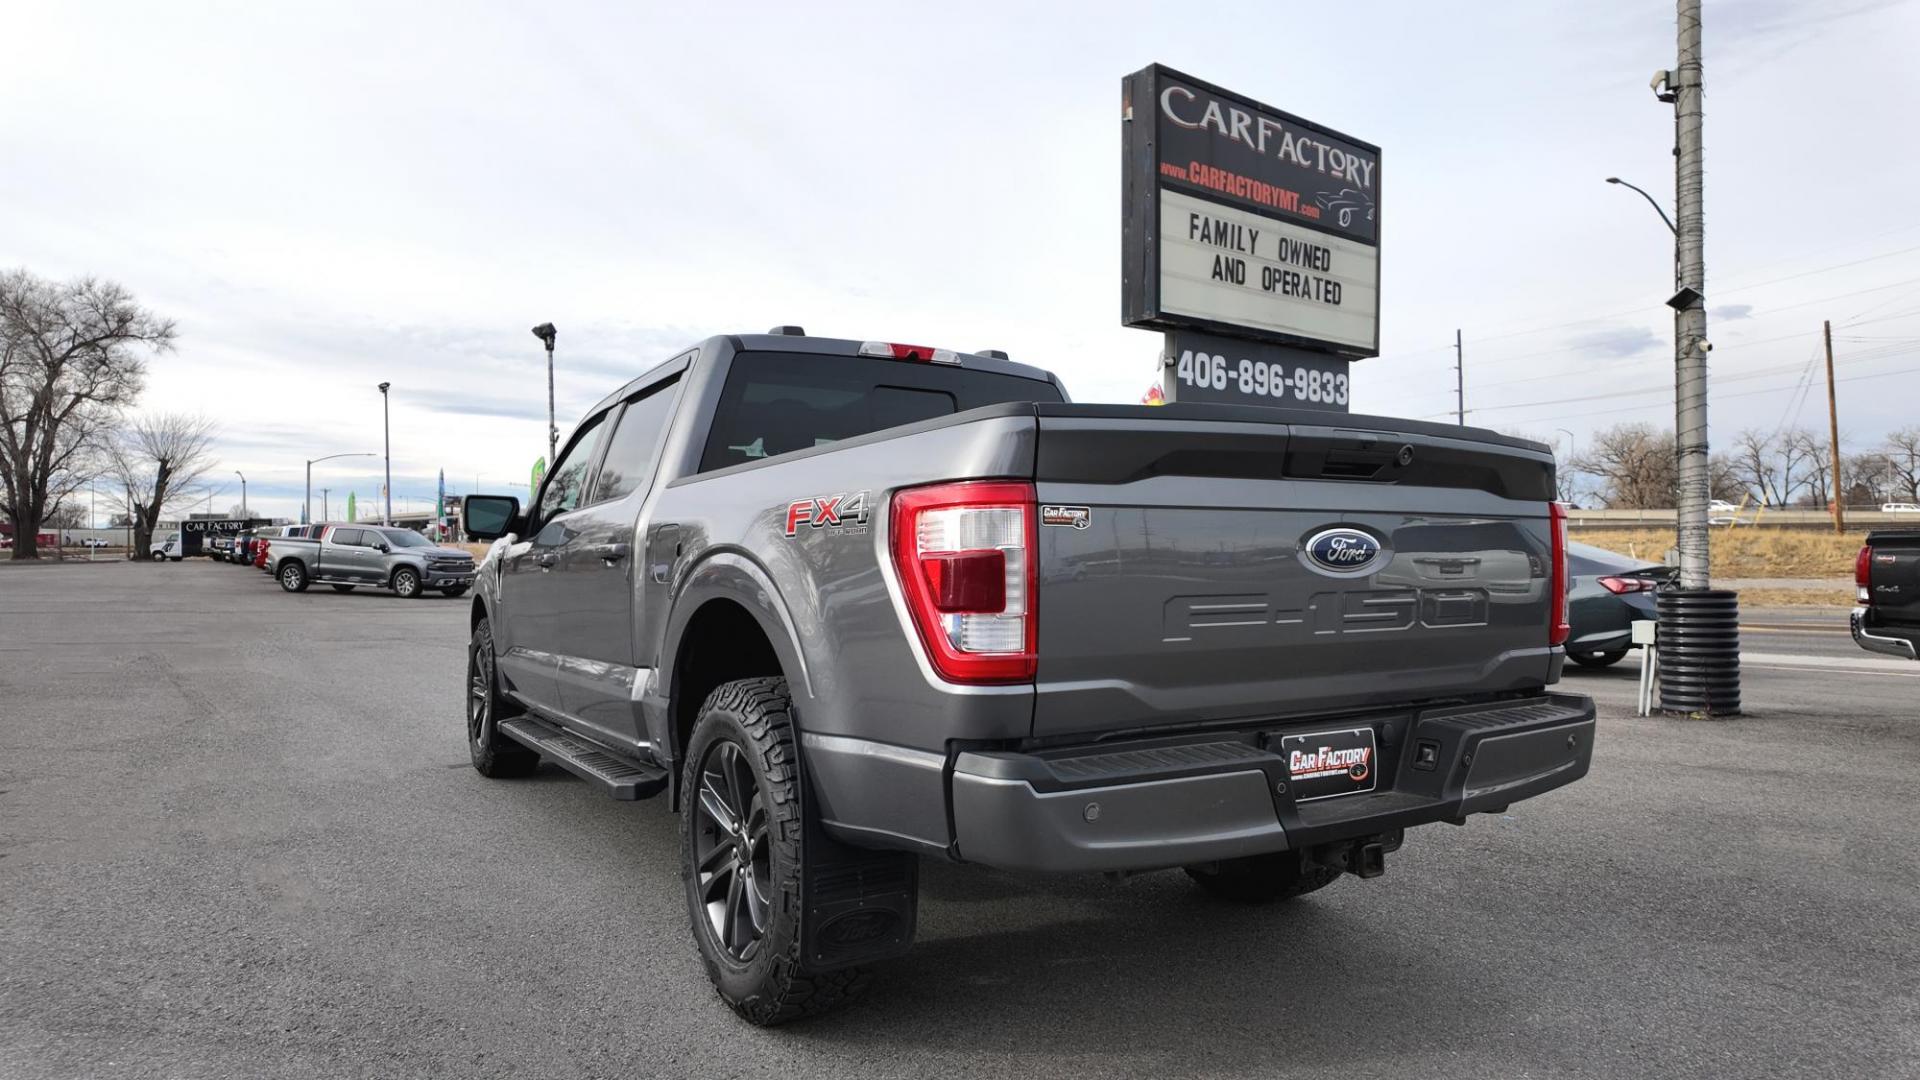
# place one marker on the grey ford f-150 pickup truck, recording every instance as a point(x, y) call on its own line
point(853, 604)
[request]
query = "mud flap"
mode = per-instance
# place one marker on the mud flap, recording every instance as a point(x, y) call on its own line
point(857, 905)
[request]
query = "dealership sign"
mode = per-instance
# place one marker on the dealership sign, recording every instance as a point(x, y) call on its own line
point(1247, 222)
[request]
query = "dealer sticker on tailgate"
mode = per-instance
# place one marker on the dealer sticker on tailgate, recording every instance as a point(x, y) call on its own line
point(1329, 763)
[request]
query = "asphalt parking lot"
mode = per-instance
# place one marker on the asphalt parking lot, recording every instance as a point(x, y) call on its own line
point(239, 838)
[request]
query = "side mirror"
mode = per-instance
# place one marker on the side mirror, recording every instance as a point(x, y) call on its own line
point(382, 547)
point(490, 517)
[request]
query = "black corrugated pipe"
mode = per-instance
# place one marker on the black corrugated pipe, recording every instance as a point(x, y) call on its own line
point(1700, 652)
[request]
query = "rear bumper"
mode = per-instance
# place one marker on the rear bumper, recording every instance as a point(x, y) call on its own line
point(1881, 642)
point(1176, 802)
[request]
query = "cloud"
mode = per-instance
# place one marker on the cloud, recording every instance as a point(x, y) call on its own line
point(1731, 312)
point(473, 405)
point(1617, 342)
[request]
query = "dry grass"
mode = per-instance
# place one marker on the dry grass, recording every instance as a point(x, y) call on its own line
point(1746, 552)
point(1837, 596)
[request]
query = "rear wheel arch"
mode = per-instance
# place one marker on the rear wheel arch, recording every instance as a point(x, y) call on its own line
point(721, 641)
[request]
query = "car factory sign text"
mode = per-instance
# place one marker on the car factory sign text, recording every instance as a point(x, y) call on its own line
point(1244, 221)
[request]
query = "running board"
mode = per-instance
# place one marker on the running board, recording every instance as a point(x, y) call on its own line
point(622, 777)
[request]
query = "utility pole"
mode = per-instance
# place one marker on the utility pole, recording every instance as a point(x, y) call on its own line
point(1833, 434)
point(325, 514)
point(1698, 626)
point(1459, 382)
point(1689, 304)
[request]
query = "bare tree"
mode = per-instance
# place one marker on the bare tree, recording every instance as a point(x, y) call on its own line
point(1902, 453)
point(68, 515)
point(70, 360)
point(1867, 479)
point(157, 459)
point(1634, 464)
point(1723, 480)
point(1798, 457)
point(1752, 462)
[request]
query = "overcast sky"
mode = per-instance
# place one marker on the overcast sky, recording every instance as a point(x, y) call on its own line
point(330, 196)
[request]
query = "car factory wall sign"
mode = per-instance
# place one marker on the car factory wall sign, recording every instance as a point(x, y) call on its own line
point(1252, 238)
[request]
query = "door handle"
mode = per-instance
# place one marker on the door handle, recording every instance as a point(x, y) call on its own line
point(611, 552)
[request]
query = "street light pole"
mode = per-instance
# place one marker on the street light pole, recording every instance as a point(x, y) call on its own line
point(1651, 201)
point(386, 440)
point(243, 494)
point(546, 333)
point(311, 462)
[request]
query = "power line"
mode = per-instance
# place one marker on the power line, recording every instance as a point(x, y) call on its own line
point(1717, 294)
point(1865, 356)
point(1769, 313)
point(1724, 397)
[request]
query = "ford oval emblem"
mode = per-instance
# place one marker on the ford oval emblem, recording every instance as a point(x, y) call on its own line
point(1342, 551)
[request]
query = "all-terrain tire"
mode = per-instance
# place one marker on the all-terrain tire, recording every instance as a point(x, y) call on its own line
point(767, 981)
point(406, 583)
point(341, 588)
point(1598, 659)
point(1257, 879)
point(293, 576)
point(494, 755)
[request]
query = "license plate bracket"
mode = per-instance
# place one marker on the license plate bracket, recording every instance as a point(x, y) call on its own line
point(1329, 764)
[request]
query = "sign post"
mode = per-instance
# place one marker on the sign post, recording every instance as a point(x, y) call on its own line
point(1251, 238)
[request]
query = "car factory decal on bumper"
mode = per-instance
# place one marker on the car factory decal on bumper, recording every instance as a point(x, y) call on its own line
point(1328, 761)
point(1326, 764)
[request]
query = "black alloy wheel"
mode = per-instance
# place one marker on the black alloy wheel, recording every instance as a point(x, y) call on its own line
point(732, 853)
point(494, 754)
point(479, 687)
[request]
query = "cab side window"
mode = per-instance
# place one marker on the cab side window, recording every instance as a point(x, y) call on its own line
point(634, 449)
point(567, 483)
point(347, 537)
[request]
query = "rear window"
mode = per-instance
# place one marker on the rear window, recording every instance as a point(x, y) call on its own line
point(776, 403)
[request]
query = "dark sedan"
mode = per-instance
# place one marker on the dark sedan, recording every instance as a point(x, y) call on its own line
point(1607, 592)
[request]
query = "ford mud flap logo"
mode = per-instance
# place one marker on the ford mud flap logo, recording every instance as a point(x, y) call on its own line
point(1342, 552)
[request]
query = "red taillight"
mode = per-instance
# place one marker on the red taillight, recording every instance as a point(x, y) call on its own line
point(1618, 585)
point(965, 554)
point(1561, 627)
point(1863, 574)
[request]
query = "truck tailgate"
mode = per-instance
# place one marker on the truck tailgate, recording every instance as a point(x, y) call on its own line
point(1895, 579)
point(1188, 593)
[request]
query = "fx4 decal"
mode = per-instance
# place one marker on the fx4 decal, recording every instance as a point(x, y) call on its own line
point(828, 511)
